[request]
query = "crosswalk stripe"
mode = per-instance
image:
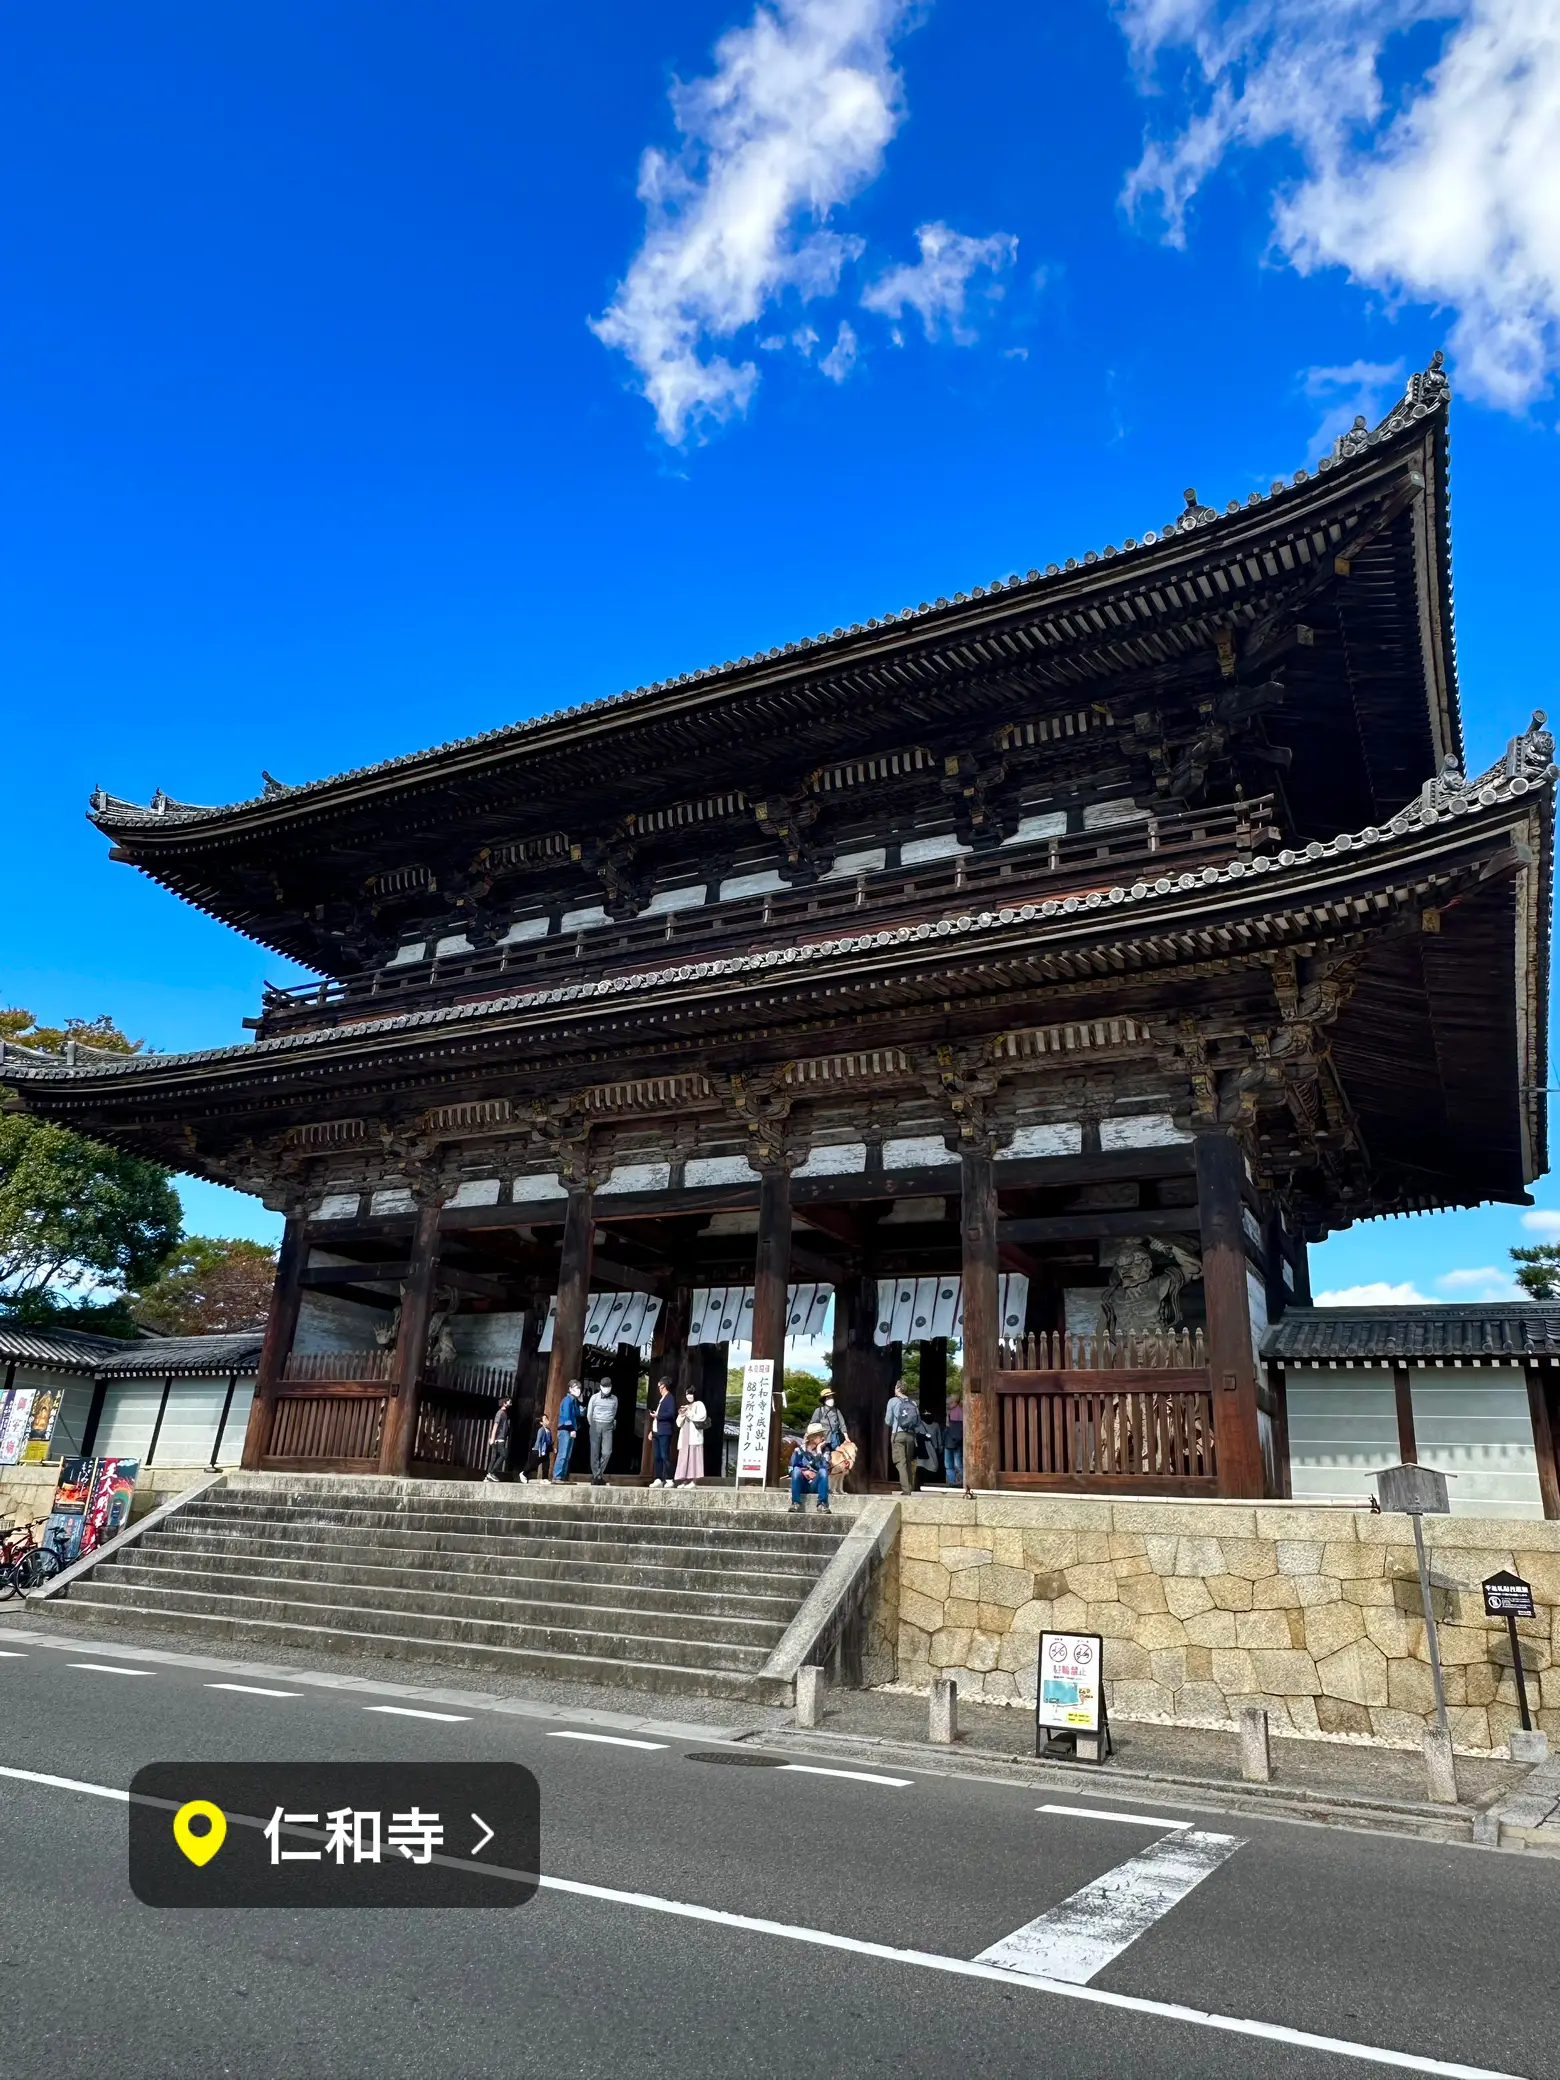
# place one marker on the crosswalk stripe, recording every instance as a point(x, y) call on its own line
point(1075, 1941)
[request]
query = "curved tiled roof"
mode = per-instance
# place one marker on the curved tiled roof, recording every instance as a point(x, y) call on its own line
point(1427, 393)
point(1322, 1335)
point(109, 1357)
point(1525, 767)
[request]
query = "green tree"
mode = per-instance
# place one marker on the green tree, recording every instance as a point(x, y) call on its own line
point(210, 1284)
point(75, 1217)
point(1538, 1270)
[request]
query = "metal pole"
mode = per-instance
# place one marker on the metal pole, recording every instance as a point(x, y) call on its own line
point(1435, 1652)
point(1516, 1662)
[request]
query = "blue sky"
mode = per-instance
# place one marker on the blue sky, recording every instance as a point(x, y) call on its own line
point(370, 375)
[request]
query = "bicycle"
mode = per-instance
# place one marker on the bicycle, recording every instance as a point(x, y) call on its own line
point(24, 1563)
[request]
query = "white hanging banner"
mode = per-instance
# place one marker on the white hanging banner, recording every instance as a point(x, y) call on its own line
point(758, 1389)
point(610, 1319)
point(913, 1310)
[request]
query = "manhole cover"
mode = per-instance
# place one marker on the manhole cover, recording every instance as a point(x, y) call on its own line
point(742, 1757)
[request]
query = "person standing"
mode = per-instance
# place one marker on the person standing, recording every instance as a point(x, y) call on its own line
point(691, 1419)
point(568, 1429)
point(903, 1422)
point(541, 1448)
point(841, 1452)
point(953, 1445)
point(498, 1443)
point(663, 1427)
point(601, 1417)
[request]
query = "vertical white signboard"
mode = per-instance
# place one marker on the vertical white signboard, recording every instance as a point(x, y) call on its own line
point(758, 1388)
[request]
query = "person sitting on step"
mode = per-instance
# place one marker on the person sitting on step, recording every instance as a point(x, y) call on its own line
point(810, 1471)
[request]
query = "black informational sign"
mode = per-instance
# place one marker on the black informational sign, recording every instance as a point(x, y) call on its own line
point(1506, 1595)
point(334, 1834)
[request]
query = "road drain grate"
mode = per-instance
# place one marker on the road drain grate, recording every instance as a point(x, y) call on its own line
point(741, 1756)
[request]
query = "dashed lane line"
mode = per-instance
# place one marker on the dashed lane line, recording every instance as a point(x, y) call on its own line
point(405, 1711)
point(856, 1776)
point(107, 1668)
point(1100, 1813)
point(253, 1690)
point(11, 1654)
point(958, 1967)
point(606, 1740)
point(1078, 1939)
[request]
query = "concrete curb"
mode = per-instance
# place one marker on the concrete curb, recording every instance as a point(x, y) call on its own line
point(1527, 1818)
point(838, 1597)
point(152, 1521)
point(1089, 1785)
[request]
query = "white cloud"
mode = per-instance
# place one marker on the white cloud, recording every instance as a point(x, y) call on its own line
point(1378, 1295)
point(937, 285)
point(793, 121)
point(841, 357)
point(1358, 389)
point(1542, 1222)
point(1481, 1282)
point(1448, 193)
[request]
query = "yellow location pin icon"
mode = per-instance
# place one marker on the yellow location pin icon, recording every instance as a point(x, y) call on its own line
point(201, 1847)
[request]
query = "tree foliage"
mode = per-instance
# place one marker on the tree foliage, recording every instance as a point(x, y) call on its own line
point(211, 1284)
point(75, 1216)
point(1538, 1270)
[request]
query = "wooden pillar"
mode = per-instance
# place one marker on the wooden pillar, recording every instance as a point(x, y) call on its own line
point(1237, 1434)
point(712, 1385)
point(281, 1327)
point(411, 1343)
point(978, 1237)
point(1403, 1396)
point(624, 1374)
point(568, 1345)
point(669, 1359)
point(1278, 1387)
point(1543, 1438)
point(771, 1276)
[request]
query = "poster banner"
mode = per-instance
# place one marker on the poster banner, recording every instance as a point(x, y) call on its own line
point(758, 1392)
point(15, 1422)
point(47, 1403)
point(1069, 1694)
point(91, 1504)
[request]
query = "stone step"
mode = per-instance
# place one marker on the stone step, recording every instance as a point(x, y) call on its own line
point(703, 1589)
point(663, 1677)
point(433, 1628)
point(804, 1566)
point(809, 1534)
point(414, 1598)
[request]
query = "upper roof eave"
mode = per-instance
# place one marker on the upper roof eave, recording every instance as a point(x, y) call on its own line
point(1419, 419)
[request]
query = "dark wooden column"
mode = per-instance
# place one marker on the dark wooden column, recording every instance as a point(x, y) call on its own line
point(771, 1276)
point(411, 1343)
point(1403, 1396)
point(1231, 1364)
point(568, 1345)
point(934, 1379)
point(712, 1384)
point(669, 1359)
point(281, 1327)
point(1543, 1438)
point(624, 1373)
point(978, 1237)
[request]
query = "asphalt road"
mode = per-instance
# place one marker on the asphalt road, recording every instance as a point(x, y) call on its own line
point(874, 1897)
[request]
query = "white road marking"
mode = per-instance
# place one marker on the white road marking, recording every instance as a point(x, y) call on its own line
point(607, 1740)
point(405, 1711)
point(856, 1776)
point(11, 1654)
point(1099, 1813)
point(34, 1776)
point(107, 1668)
point(958, 1967)
point(253, 1690)
point(1076, 1940)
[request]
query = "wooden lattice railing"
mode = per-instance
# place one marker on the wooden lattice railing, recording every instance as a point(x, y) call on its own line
point(1173, 1350)
point(453, 1429)
point(334, 1427)
point(330, 1366)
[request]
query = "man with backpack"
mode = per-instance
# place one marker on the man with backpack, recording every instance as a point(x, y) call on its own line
point(903, 1422)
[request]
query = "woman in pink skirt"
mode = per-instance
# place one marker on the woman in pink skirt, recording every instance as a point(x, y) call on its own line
point(691, 1419)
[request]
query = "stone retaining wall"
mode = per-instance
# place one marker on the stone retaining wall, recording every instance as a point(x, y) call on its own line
point(27, 1492)
point(1311, 1610)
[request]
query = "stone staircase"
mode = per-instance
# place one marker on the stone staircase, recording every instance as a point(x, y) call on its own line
point(688, 1593)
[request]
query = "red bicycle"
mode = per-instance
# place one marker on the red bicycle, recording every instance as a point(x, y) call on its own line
point(24, 1564)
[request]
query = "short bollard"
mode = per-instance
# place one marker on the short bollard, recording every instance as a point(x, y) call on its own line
point(945, 1711)
point(1527, 1747)
point(1256, 1757)
point(809, 1697)
point(1440, 1770)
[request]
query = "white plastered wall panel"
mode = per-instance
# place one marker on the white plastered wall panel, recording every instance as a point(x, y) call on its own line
point(1342, 1430)
point(189, 1424)
point(128, 1419)
point(1473, 1424)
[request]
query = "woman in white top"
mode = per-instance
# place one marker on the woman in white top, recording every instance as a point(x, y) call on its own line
point(691, 1419)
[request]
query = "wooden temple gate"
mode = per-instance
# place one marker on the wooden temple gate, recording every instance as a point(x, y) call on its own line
point(1090, 1414)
